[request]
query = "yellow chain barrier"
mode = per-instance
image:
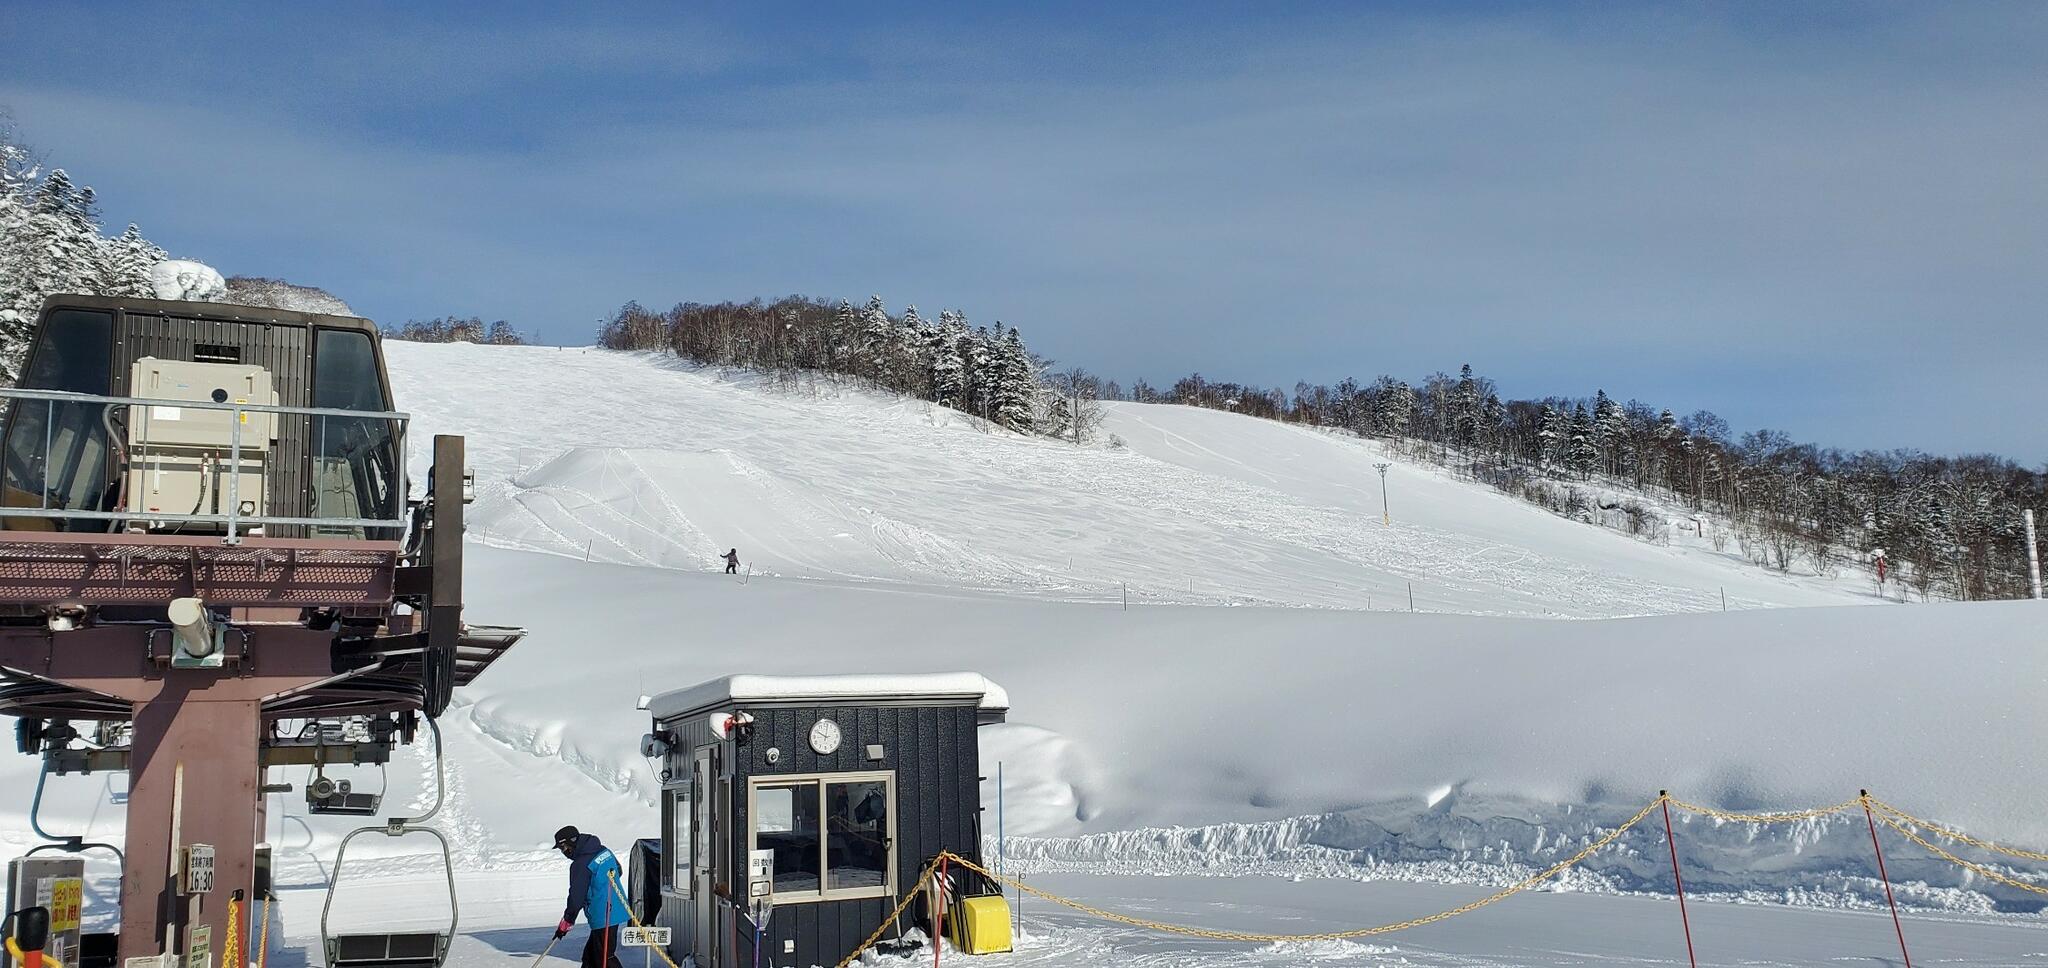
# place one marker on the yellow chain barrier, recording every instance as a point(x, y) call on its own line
point(908, 896)
point(620, 893)
point(1953, 834)
point(1977, 869)
point(1892, 817)
point(231, 947)
point(263, 936)
point(1213, 934)
point(1789, 816)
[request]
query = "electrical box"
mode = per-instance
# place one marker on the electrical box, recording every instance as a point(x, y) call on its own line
point(55, 882)
point(181, 459)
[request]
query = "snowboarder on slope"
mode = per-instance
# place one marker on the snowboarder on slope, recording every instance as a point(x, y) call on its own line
point(732, 561)
point(593, 871)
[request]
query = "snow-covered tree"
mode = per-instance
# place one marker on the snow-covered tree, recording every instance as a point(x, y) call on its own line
point(1396, 407)
point(50, 244)
point(909, 370)
point(1073, 405)
point(875, 339)
point(124, 264)
point(948, 367)
point(1465, 401)
point(1015, 383)
point(1581, 454)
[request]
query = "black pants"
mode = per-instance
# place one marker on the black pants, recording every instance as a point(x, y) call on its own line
point(601, 950)
point(731, 569)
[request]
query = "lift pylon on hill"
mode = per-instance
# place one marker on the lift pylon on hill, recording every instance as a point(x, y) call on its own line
point(206, 538)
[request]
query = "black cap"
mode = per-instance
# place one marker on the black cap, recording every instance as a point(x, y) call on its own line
point(566, 836)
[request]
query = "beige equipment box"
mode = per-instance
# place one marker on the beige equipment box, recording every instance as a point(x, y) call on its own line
point(181, 457)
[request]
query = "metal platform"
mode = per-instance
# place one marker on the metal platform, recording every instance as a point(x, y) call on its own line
point(38, 567)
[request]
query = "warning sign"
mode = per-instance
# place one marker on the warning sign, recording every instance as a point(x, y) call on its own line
point(199, 946)
point(67, 896)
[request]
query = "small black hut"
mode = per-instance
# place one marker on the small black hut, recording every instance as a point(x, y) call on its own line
point(842, 786)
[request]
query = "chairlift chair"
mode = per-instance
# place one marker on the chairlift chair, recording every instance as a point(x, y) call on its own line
point(395, 949)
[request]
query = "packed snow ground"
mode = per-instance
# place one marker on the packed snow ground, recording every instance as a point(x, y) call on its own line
point(1239, 747)
point(508, 921)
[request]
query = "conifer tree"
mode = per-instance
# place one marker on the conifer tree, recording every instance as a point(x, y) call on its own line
point(875, 339)
point(948, 373)
point(1015, 383)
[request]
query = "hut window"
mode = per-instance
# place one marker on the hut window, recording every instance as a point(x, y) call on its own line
point(857, 834)
point(832, 834)
point(786, 822)
point(681, 841)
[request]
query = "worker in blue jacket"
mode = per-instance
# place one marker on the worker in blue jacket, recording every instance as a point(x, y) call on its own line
point(592, 873)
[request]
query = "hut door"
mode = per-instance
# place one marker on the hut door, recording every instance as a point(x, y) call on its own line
point(702, 776)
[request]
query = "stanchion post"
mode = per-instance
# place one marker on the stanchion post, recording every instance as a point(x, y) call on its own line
point(1884, 876)
point(1677, 883)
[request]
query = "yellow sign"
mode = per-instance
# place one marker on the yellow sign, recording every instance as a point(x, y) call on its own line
point(66, 897)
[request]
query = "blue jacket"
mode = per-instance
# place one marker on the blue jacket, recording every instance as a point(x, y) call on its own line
point(592, 871)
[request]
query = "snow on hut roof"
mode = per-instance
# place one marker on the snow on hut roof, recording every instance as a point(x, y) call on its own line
point(745, 689)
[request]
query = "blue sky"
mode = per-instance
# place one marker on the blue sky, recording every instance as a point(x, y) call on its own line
point(1830, 219)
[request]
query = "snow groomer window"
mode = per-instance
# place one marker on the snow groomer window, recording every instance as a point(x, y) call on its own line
point(833, 835)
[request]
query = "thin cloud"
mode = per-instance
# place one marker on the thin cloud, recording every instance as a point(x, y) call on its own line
point(1684, 208)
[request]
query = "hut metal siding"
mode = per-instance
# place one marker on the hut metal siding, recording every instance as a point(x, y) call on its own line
point(934, 753)
point(677, 910)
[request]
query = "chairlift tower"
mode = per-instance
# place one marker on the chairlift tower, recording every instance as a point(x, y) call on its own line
point(207, 538)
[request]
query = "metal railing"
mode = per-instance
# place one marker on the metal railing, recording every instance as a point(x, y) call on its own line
point(234, 520)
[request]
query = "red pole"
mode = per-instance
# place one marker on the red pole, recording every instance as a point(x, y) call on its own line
point(1886, 878)
point(939, 921)
point(1676, 882)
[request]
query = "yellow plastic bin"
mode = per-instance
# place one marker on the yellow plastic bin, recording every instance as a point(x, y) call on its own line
point(980, 925)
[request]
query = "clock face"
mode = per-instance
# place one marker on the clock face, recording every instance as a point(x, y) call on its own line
point(825, 737)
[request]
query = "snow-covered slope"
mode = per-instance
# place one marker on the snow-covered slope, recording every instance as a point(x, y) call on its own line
point(637, 459)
